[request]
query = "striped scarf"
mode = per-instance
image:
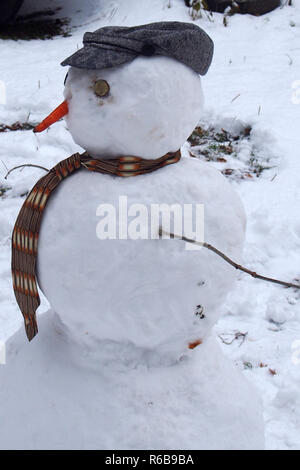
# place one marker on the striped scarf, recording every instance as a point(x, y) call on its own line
point(26, 230)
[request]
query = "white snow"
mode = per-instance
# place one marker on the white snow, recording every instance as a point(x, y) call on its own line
point(255, 65)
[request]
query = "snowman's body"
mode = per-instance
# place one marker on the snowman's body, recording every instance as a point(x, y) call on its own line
point(146, 291)
point(113, 354)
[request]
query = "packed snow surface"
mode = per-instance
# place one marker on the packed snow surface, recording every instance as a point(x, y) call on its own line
point(56, 397)
point(253, 79)
point(142, 291)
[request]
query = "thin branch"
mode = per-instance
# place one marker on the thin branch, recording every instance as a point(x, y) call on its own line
point(237, 96)
point(290, 59)
point(228, 260)
point(26, 164)
point(236, 336)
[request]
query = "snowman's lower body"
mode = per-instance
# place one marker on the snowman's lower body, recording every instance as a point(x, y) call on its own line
point(112, 368)
point(54, 396)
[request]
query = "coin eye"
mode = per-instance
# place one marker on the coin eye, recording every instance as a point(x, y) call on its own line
point(101, 88)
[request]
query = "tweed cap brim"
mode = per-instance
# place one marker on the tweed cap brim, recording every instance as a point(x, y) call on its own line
point(93, 57)
point(115, 45)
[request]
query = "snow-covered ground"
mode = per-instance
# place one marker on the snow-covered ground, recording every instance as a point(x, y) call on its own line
point(255, 66)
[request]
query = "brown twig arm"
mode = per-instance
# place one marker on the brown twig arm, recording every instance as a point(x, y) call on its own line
point(228, 260)
point(21, 166)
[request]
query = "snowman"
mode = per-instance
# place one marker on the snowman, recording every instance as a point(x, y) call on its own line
point(125, 357)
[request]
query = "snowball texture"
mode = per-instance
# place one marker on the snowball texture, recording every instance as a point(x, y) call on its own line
point(152, 108)
point(143, 292)
point(53, 400)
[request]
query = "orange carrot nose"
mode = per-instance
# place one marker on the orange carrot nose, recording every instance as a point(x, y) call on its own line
point(57, 114)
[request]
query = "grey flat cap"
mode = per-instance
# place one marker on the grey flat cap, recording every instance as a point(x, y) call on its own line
point(115, 45)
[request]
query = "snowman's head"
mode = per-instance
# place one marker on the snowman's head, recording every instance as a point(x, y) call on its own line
point(146, 108)
point(135, 90)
